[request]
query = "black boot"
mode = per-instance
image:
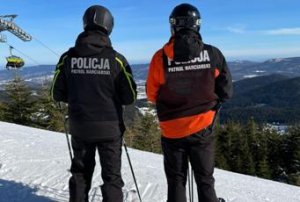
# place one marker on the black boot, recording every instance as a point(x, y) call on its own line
point(221, 200)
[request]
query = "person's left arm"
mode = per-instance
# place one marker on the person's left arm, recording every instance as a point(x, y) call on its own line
point(126, 85)
point(59, 90)
point(223, 82)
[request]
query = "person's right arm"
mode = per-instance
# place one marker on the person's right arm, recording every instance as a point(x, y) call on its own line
point(155, 77)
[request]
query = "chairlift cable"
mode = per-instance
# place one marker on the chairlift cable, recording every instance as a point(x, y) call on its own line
point(47, 47)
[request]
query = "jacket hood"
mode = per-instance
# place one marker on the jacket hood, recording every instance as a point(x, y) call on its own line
point(185, 45)
point(91, 42)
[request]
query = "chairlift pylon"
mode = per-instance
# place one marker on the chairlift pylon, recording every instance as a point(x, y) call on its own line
point(2, 38)
point(9, 25)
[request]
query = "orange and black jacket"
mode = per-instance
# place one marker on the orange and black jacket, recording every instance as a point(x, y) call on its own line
point(186, 80)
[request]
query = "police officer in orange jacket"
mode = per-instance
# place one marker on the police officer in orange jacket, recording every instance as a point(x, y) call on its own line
point(95, 81)
point(187, 80)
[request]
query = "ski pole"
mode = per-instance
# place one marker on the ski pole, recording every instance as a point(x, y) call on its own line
point(66, 129)
point(132, 172)
point(192, 183)
point(67, 136)
point(189, 184)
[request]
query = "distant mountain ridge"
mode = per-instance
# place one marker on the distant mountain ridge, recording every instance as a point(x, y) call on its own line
point(240, 69)
point(285, 66)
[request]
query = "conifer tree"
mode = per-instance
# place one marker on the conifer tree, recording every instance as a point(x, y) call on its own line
point(19, 104)
point(2, 108)
point(263, 169)
point(292, 154)
point(253, 142)
point(223, 147)
point(262, 162)
point(275, 154)
point(131, 131)
point(47, 114)
point(147, 133)
point(235, 159)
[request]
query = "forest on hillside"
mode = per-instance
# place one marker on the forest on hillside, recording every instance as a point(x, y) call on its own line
point(267, 99)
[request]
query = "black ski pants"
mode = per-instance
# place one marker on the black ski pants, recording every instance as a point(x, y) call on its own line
point(83, 165)
point(199, 150)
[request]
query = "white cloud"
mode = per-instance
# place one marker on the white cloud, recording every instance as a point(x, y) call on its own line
point(263, 52)
point(238, 29)
point(283, 31)
point(241, 29)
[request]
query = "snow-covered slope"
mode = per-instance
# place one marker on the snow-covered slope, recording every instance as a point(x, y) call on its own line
point(34, 164)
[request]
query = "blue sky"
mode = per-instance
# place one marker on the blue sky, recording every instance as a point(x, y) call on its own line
point(242, 30)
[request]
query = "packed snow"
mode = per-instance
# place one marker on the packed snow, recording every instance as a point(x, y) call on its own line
point(34, 167)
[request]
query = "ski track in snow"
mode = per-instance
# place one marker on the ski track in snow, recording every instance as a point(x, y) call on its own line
point(34, 167)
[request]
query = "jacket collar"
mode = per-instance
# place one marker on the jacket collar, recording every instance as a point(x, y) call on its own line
point(90, 42)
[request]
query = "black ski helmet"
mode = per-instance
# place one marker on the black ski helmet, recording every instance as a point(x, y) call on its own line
point(96, 17)
point(185, 16)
